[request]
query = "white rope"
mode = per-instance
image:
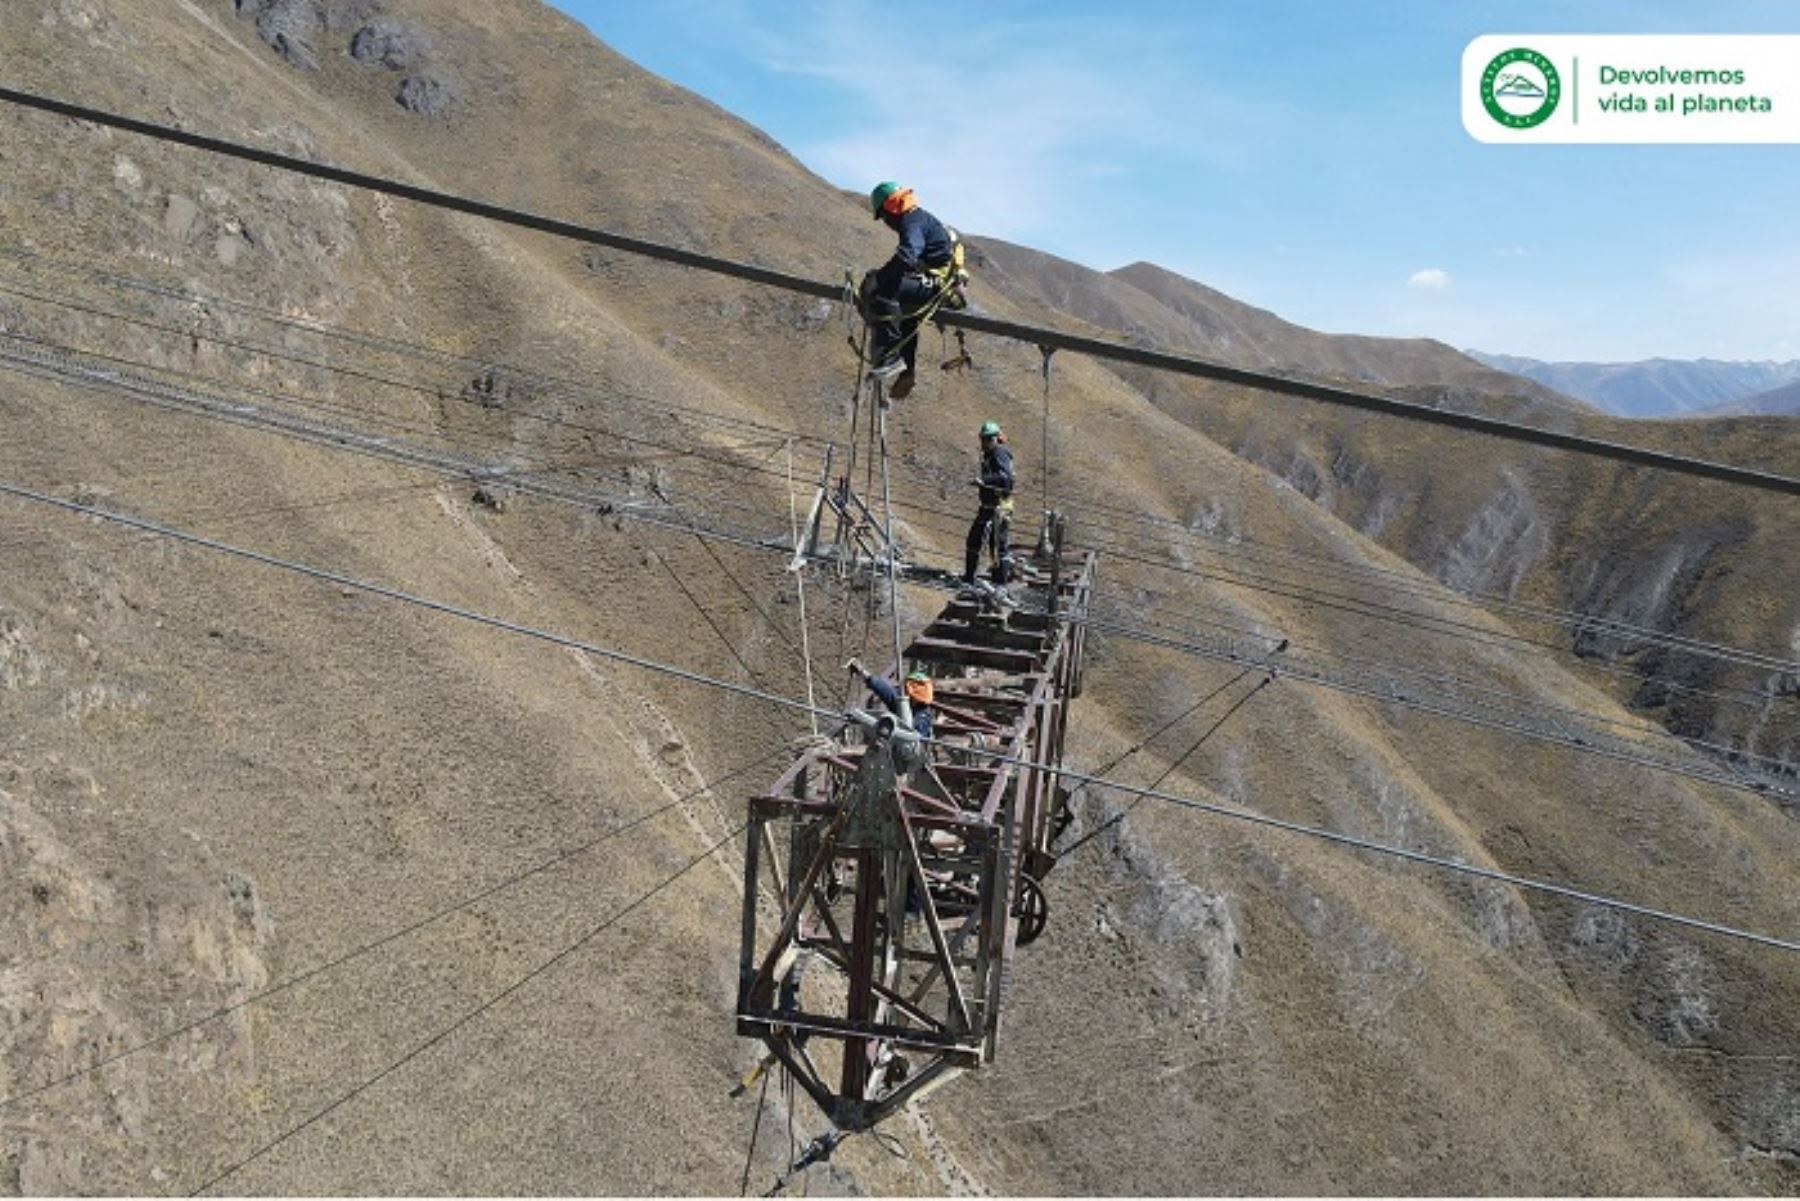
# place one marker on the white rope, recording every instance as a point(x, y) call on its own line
point(893, 553)
point(812, 702)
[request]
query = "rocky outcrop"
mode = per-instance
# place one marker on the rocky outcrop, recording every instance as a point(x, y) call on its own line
point(295, 29)
point(428, 95)
point(391, 43)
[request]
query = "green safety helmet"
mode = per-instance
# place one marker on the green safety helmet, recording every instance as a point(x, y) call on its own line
point(917, 673)
point(990, 429)
point(879, 193)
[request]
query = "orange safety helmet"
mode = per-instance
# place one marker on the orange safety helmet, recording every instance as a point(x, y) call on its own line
point(918, 687)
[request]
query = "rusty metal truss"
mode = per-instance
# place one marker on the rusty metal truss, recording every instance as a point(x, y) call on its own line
point(888, 881)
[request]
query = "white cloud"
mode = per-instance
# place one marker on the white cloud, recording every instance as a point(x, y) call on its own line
point(1434, 278)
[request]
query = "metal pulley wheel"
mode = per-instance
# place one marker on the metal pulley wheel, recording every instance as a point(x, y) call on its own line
point(1032, 908)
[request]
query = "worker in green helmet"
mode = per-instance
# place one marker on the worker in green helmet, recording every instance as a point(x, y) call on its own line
point(896, 297)
point(993, 520)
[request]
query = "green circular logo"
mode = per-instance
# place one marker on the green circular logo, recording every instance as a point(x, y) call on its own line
point(1520, 88)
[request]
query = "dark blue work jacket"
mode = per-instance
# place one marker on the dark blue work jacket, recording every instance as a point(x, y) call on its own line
point(924, 244)
point(996, 475)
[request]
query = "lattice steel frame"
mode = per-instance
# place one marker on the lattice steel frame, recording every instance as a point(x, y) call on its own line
point(903, 883)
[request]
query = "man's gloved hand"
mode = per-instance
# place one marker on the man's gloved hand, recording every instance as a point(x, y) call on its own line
point(855, 668)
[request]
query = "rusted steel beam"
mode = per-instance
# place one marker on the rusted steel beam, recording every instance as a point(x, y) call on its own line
point(967, 824)
point(934, 928)
point(965, 715)
point(791, 920)
point(855, 1032)
point(956, 654)
point(860, 1005)
point(747, 950)
point(996, 688)
point(897, 1000)
point(969, 611)
point(978, 634)
point(967, 773)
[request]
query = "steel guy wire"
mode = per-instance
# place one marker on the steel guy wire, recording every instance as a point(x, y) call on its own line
point(1402, 585)
point(1673, 686)
point(464, 468)
point(419, 1048)
point(687, 675)
point(1504, 700)
point(237, 411)
point(612, 394)
point(1403, 581)
point(589, 389)
point(433, 392)
point(296, 980)
point(641, 511)
point(1173, 767)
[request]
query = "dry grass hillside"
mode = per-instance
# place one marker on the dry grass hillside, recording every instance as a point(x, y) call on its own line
point(1710, 563)
point(216, 778)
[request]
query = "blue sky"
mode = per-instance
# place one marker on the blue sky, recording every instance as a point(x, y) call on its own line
point(1306, 157)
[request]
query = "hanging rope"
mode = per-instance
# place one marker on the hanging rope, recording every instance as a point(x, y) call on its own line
point(755, 1129)
point(875, 420)
point(800, 585)
point(963, 359)
point(919, 316)
point(1044, 459)
point(787, 1084)
point(893, 554)
point(856, 392)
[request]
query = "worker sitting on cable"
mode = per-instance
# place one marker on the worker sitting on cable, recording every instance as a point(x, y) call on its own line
point(924, 274)
point(918, 691)
point(993, 521)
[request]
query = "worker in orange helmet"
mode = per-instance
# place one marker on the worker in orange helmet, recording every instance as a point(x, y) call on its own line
point(918, 688)
point(923, 272)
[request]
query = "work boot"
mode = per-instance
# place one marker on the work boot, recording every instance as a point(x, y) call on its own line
point(903, 386)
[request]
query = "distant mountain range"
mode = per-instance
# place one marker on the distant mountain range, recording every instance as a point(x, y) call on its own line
point(1655, 387)
point(1784, 401)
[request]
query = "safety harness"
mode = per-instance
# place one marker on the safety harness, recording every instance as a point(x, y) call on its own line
point(948, 289)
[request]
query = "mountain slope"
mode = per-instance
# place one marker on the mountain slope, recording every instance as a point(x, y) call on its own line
point(1157, 308)
point(1557, 534)
point(215, 778)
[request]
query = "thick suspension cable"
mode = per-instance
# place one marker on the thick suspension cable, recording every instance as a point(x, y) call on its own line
point(1161, 360)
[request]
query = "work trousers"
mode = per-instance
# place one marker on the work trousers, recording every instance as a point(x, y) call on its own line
point(893, 333)
point(992, 527)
